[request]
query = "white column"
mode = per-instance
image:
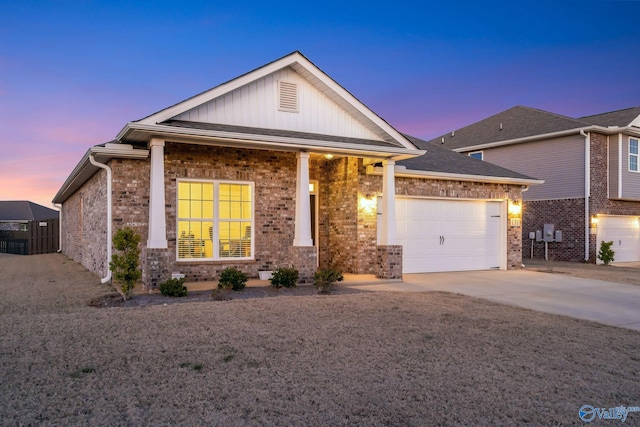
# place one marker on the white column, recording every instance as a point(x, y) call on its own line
point(303, 207)
point(157, 221)
point(388, 226)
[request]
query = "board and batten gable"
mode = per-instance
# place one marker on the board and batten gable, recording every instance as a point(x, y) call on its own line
point(256, 105)
point(559, 162)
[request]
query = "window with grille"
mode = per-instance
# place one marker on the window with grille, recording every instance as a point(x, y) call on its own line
point(215, 220)
point(633, 155)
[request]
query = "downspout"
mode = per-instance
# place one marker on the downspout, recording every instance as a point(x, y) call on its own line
point(587, 190)
point(59, 206)
point(93, 161)
point(523, 189)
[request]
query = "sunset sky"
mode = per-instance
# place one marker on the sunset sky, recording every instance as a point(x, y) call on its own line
point(73, 73)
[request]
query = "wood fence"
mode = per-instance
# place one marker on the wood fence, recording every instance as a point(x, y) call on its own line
point(40, 237)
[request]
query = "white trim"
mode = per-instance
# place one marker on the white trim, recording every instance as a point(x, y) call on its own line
point(587, 190)
point(308, 71)
point(599, 129)
point(471, 153)
point(157, 227)
point(620, 166)
point(637, 155)
point(388, 235)
point(266, 142)
point(302, 236)
point(401, 172)
point(215, 220)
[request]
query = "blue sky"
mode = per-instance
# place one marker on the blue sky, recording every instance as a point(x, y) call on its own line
point(72, 73)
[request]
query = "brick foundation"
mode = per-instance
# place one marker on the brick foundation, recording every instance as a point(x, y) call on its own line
point(155, 267)
point(304, 259)
point(389, 262)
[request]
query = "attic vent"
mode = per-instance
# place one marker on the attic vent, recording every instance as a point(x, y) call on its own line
point(288, 97)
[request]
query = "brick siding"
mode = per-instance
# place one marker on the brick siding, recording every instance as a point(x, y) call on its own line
point(347, 230)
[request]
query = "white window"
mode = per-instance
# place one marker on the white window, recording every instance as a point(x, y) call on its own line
point(215, 220)
point(476, 155)
point(633, 155)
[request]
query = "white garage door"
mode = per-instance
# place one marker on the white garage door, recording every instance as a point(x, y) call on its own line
point(624, 232)
point(449, 235)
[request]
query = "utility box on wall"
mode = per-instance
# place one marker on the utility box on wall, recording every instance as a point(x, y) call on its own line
point(548, 233)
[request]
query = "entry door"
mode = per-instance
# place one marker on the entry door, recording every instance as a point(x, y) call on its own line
point(449, 235)
point(624, 232)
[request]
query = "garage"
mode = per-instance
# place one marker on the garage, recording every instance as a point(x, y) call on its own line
point(450, 235)
point(624, 232)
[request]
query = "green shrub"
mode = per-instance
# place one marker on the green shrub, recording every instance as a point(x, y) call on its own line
point(220, 294)
point(173, 288)
point(232, 278)
point(606, 254)
point(325, 278)
point(283, 276)
point(124, 265)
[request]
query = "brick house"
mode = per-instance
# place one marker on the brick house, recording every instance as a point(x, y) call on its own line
point(590, 168)
point(282, 166)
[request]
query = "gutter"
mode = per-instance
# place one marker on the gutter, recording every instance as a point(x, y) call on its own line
point(93, 161)
point(601, 129)
point(587, 190)
point(59, 206)
point(281, 143)
point(402, 172)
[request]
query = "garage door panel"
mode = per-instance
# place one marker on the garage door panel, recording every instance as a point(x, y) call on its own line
point(624, 232)
point(448, 235)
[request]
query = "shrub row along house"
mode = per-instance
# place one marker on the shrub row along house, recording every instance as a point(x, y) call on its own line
point(591, 172)
point(284, 167)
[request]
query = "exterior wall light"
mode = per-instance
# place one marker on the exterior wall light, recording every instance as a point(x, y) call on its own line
point(515, 208)
point(594, 220)
point(368, 203)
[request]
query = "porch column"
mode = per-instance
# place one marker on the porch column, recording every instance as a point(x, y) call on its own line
point(302, 235)
point(388, 226)
point(157, 222)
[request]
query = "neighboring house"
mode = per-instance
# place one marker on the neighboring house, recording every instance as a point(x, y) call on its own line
point(27, 228)
point(591, 171)
point(284, 167)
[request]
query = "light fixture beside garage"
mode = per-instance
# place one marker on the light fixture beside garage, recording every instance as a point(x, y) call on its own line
point(368, 203)
point(515, 208)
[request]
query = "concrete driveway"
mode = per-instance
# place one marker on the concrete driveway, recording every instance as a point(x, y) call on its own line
point(605, 302)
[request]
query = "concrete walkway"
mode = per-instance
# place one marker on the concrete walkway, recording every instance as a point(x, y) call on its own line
point(605, 302)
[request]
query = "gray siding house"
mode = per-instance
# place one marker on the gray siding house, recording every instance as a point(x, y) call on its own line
point(591, 174)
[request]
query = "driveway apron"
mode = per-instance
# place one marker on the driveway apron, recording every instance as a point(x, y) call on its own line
point(605, 302)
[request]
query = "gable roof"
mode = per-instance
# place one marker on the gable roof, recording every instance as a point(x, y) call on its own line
point(620, 118)
point(22, 210)
point(444, 163)
point(520, 123)
point(163, 123)
point(514, 123)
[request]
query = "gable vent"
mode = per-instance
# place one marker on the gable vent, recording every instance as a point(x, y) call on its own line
point(288, 97)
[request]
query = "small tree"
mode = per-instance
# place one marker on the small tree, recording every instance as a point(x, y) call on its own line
point(125, 264)
point(606, 254)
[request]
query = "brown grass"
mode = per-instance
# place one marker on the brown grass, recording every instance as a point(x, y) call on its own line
point(349, 359)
